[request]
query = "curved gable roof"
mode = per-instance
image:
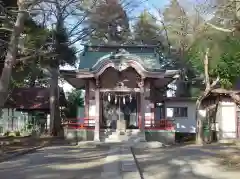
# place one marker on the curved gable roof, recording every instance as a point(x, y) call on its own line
point(94, 59)
point(125, 58)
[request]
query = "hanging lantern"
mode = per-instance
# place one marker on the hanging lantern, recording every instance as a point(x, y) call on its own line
point(124, 100)
point(115, 99)
point(130, 98)
point(109, 97)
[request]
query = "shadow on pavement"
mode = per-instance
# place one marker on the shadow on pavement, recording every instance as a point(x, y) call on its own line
point(60, 162)
point(190, 162)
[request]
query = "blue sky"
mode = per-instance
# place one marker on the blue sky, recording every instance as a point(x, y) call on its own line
point(153, 4)
point(158, 3)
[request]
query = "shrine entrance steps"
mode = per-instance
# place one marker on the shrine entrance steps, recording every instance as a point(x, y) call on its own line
point(115, 136)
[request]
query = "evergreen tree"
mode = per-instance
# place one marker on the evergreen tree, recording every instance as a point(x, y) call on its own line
point(5, 34)
point(63, 54)
point(74, 100)
point(147, 31)
point(29, 73)
point(107, 23)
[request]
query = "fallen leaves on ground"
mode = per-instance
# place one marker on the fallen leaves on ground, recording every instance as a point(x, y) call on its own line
point(15, 144)
point(230, 158)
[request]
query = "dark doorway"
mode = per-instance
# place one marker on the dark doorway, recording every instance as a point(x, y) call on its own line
point(119, 106)
point(129, 112)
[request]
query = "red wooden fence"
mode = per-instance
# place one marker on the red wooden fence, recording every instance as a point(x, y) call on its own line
point(85, 123)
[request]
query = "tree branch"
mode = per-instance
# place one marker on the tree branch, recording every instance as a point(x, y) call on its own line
point(215, 82)
point(220, 28)
point(6, 29)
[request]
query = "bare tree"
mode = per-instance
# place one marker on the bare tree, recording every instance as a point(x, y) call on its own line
point(181, 30)
point(182, 33)
point(208, 88)
point(219, 16)
point(227, 12)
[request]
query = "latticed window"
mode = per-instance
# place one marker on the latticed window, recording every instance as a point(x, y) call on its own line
point(177, 111)
point(180, 112)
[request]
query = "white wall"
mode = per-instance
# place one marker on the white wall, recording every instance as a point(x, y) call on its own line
point(227, 120)
point(92, 104)
point(184, 124)
point(149, 115)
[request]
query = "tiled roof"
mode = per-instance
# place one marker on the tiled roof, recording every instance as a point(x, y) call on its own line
point(147, 54)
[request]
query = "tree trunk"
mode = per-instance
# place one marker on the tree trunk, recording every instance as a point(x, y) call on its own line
point(32, 80)
point(55, 119)
point(209, 87)
point(10, 59)
point(199, 130)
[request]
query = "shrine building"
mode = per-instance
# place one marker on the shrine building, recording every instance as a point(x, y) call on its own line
point(124, 85)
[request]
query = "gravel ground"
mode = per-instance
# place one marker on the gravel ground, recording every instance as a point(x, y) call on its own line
point(56, 162)
point(189, 162)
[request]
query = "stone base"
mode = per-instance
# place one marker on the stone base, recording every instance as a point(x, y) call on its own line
point(121, 125)
point(142, 137)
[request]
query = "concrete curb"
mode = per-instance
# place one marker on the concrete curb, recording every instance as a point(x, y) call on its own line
point(17, 154)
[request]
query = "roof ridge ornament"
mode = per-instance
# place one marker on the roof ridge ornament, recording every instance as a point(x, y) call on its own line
point(119, 53)
point(122, 51)
point(122, 66)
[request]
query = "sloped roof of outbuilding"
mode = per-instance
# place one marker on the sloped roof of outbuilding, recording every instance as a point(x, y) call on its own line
point(36, 98)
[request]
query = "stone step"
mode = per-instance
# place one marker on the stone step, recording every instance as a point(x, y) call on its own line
point(117, 137)
point(114, 136)
point(133, 131)
point(130, 136)
point(112, 140)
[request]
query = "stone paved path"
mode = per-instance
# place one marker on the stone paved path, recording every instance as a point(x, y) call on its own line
point(190, 162)
point(72, 162)
point(111, 164)
point(120, 164)
point(128, 166)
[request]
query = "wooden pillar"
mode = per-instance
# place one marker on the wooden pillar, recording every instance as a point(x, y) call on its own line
point(86, 107)
point(142, 127)
point(138, 96)
point(142, 109)
point(97, 101)
point(164, 111)
point(100, 111)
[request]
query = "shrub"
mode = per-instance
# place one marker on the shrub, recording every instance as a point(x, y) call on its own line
point(7, 133)
point(17, 133)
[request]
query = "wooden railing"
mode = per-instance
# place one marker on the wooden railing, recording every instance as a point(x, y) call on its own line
point(85, 123)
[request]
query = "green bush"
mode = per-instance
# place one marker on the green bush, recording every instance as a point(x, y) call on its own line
point(10, 134)
point(7, 133)
point(17, 133)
